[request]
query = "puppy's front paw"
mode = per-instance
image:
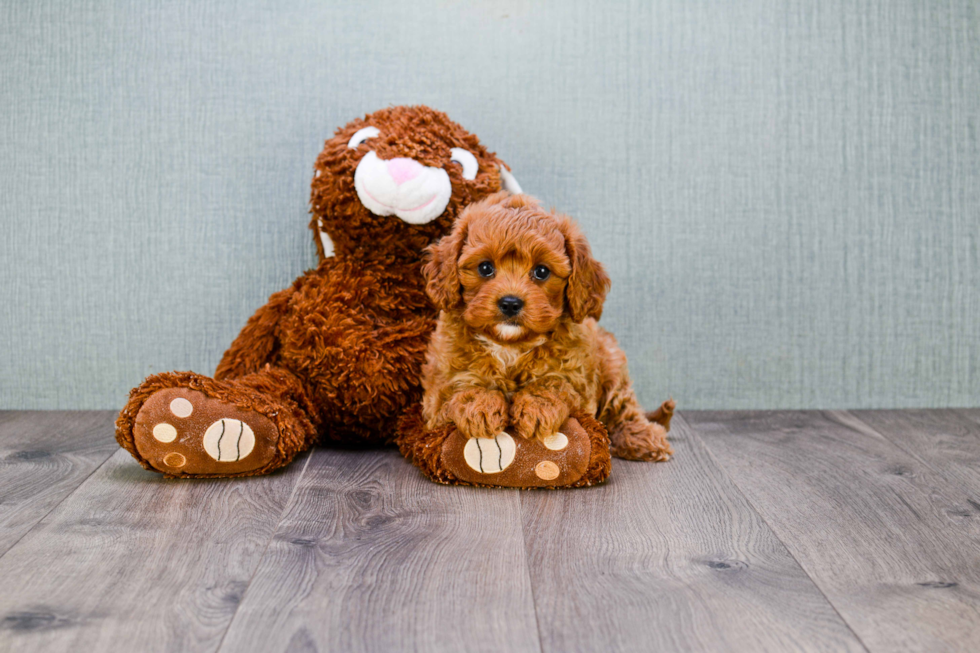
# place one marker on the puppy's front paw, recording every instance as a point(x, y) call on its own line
point(536, 416)
point(478, 413)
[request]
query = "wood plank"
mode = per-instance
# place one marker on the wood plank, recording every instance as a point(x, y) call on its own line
point(875, 527)
point(44, 456)
point(134, 562)
point(947, 441)
point(970, 413)
point(373, 557)
point(669, 557)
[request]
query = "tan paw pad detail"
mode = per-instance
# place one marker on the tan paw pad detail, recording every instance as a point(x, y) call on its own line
point(180, 407)
point(546, 470)
point(490, 455)
point(164, 432)
point(229, 440)
point(174, 460)
point(555, 441)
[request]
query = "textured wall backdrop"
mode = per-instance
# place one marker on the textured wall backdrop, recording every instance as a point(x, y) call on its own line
point(787, 194)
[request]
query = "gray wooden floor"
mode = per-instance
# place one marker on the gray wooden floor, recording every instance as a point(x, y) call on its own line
point(773, 531)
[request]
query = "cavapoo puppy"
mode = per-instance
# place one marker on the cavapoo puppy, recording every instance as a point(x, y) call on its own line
point(517, 343)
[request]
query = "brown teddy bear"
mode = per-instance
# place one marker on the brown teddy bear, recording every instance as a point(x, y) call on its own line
point(338, 354)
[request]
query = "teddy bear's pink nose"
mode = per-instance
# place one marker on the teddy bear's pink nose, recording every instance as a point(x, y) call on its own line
point(402, 169)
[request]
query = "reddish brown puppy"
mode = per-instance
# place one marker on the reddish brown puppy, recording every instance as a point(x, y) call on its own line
point(338, 354)
point(518, 343)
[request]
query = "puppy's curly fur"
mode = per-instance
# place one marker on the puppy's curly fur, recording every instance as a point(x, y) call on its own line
point(517, 342)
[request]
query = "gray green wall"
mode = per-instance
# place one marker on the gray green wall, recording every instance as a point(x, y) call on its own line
point(786, 194)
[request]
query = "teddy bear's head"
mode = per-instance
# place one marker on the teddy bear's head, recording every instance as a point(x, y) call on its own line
point(393, 182)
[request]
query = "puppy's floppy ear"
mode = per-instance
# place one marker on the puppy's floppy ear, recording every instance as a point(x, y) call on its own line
point(441, 270)
point(588, 282)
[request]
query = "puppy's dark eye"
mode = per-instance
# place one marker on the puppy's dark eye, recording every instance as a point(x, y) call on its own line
point(485, 269)
point(540, 272)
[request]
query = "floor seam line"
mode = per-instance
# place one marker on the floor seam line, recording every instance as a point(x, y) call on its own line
point(772, 530)
point(962, 412)
point(265, 550)
point(527, 567)
point(57, 505)
point(911, 454)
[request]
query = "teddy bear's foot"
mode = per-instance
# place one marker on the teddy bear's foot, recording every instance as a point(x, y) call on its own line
point(511, 461)
point(184, 432)
point(188, 425)
point(575, 456)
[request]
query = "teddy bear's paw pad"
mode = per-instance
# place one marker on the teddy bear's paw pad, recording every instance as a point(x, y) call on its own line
point(490, 455)
point(185, 432)
point(547, 470)
point(229, 440)
point(555, 441)
point(558, 460)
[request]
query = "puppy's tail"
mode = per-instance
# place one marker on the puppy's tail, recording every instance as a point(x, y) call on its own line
point(663, 415)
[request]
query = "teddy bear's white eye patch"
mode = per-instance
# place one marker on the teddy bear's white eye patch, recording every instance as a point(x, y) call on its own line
point(466, 159)
point(362, 135)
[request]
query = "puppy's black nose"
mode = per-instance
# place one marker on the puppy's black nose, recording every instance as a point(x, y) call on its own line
point(510, 305)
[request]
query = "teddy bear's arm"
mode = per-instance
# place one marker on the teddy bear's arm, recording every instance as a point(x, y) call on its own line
point(257, 343)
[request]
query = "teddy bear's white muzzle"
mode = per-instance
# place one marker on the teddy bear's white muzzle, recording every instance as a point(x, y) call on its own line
point(402, 187)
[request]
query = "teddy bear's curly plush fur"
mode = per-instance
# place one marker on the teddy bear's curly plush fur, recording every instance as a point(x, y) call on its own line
point(338, 354)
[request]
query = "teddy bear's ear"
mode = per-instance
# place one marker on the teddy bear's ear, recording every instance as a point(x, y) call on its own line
point(441, 269)
point(588, 282)
point(508, 182)
point(326, 245)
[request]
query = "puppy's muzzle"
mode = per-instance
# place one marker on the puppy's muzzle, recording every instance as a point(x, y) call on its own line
point(510, 305)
